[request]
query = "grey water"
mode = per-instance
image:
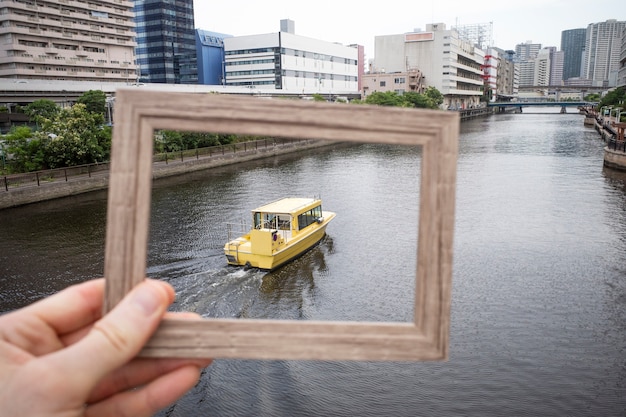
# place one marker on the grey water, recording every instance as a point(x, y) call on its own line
point(538, 322)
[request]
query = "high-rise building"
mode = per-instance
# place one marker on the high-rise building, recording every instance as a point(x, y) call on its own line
point(166, 41)
point(572, 45)
point(67, 40)
point(526, 50)
point(601, 59)
point(556, 65)
point(621, 75)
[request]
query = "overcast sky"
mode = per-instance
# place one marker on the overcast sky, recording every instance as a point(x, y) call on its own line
point(348, 22)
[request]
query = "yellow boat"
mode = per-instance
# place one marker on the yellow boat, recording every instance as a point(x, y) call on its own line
point(281, 231)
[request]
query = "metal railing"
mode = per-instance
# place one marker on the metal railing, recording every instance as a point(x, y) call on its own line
point(49, 176)
point(617, 145)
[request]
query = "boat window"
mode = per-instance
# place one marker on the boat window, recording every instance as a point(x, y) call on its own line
point(309, 217)
point(257, 220)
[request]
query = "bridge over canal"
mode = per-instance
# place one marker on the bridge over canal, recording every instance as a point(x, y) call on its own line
point(502, 106)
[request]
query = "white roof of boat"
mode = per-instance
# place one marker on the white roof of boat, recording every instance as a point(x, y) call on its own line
point(285, 205)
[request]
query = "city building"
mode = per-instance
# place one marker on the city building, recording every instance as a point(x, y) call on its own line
point(400, 82)
point(490, 73)
point(556, 65)
point(526, 50)
point(166, 41)
point(210, 53)
point(450, 64)
point(67, 40)
point(573, 46)
point(291, 63)
point(621, 74)
point(507, 81)
point(601, 59)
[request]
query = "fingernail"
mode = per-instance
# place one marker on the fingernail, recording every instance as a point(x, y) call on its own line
point(146, 299)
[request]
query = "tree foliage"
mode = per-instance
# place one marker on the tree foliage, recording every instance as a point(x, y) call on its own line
point(74, 136)
point(174, 141)
point(431, 99)
point(615, 98)
point(26, 154)
point(39, 110)
point(94, 101)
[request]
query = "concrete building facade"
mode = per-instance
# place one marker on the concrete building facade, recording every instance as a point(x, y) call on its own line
point(292, 63)
point(450, 64)
point(556, 65)
point(601, 59)
point(507, 82)
point(490, 73)
point(621, 74)
point(68, 40)
point(400, 82)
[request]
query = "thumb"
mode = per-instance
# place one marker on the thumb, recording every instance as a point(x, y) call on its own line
point(117, 337)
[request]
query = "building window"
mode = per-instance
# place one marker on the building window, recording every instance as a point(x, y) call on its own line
point(383, 83)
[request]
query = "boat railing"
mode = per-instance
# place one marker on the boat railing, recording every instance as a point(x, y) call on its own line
point(235, 230)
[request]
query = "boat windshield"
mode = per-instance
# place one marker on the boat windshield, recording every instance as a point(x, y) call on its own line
point(309, 217)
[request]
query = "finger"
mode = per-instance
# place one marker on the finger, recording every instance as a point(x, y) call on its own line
point(116, 338)
point(75, 336)
point(149, 399)
point(139, 372)
point(35, 328)
point(71, 308)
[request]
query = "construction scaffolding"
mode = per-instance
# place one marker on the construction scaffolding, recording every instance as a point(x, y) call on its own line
point(479, 34)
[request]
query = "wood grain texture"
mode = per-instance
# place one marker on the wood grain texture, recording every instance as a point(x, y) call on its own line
point(139, 112)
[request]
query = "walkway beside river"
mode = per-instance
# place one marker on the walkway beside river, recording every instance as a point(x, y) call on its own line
point(33, 187)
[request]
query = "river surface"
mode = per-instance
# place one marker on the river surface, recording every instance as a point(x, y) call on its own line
point(539, 284)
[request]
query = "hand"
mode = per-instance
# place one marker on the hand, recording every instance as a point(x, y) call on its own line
point(60, 357)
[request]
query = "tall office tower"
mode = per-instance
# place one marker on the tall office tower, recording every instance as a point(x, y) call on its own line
point(166, 41)
point(601, 59)
point(67, 40)
point(527, 50)
point(556, 65)
point(572, 45)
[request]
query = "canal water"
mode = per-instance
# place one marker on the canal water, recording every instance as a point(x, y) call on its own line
point(539, 283)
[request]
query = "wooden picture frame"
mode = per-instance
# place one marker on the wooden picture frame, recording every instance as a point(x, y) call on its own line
point(139, 112)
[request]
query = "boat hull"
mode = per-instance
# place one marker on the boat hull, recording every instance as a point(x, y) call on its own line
point(240, 251)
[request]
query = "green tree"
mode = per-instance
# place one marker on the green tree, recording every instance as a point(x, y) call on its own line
point(94, 101)
point(74, 136)
point(615, 98)
point(413, 99)
point(26, 153)
point(40, 110)
point(435, 95)
point(387, 98)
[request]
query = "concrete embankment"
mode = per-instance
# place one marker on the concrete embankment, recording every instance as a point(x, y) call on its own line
point(36, 191)
point(612, 133)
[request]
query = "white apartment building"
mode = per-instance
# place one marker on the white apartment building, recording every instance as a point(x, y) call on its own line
point(291, 63)
point(601, 57)
point(81, 40)
point(535, 71)
point(451, 65)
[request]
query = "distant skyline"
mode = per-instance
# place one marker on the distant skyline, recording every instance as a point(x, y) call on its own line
point(348, 22)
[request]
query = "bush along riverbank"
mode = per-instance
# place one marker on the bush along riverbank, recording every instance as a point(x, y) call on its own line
point(20, 189)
